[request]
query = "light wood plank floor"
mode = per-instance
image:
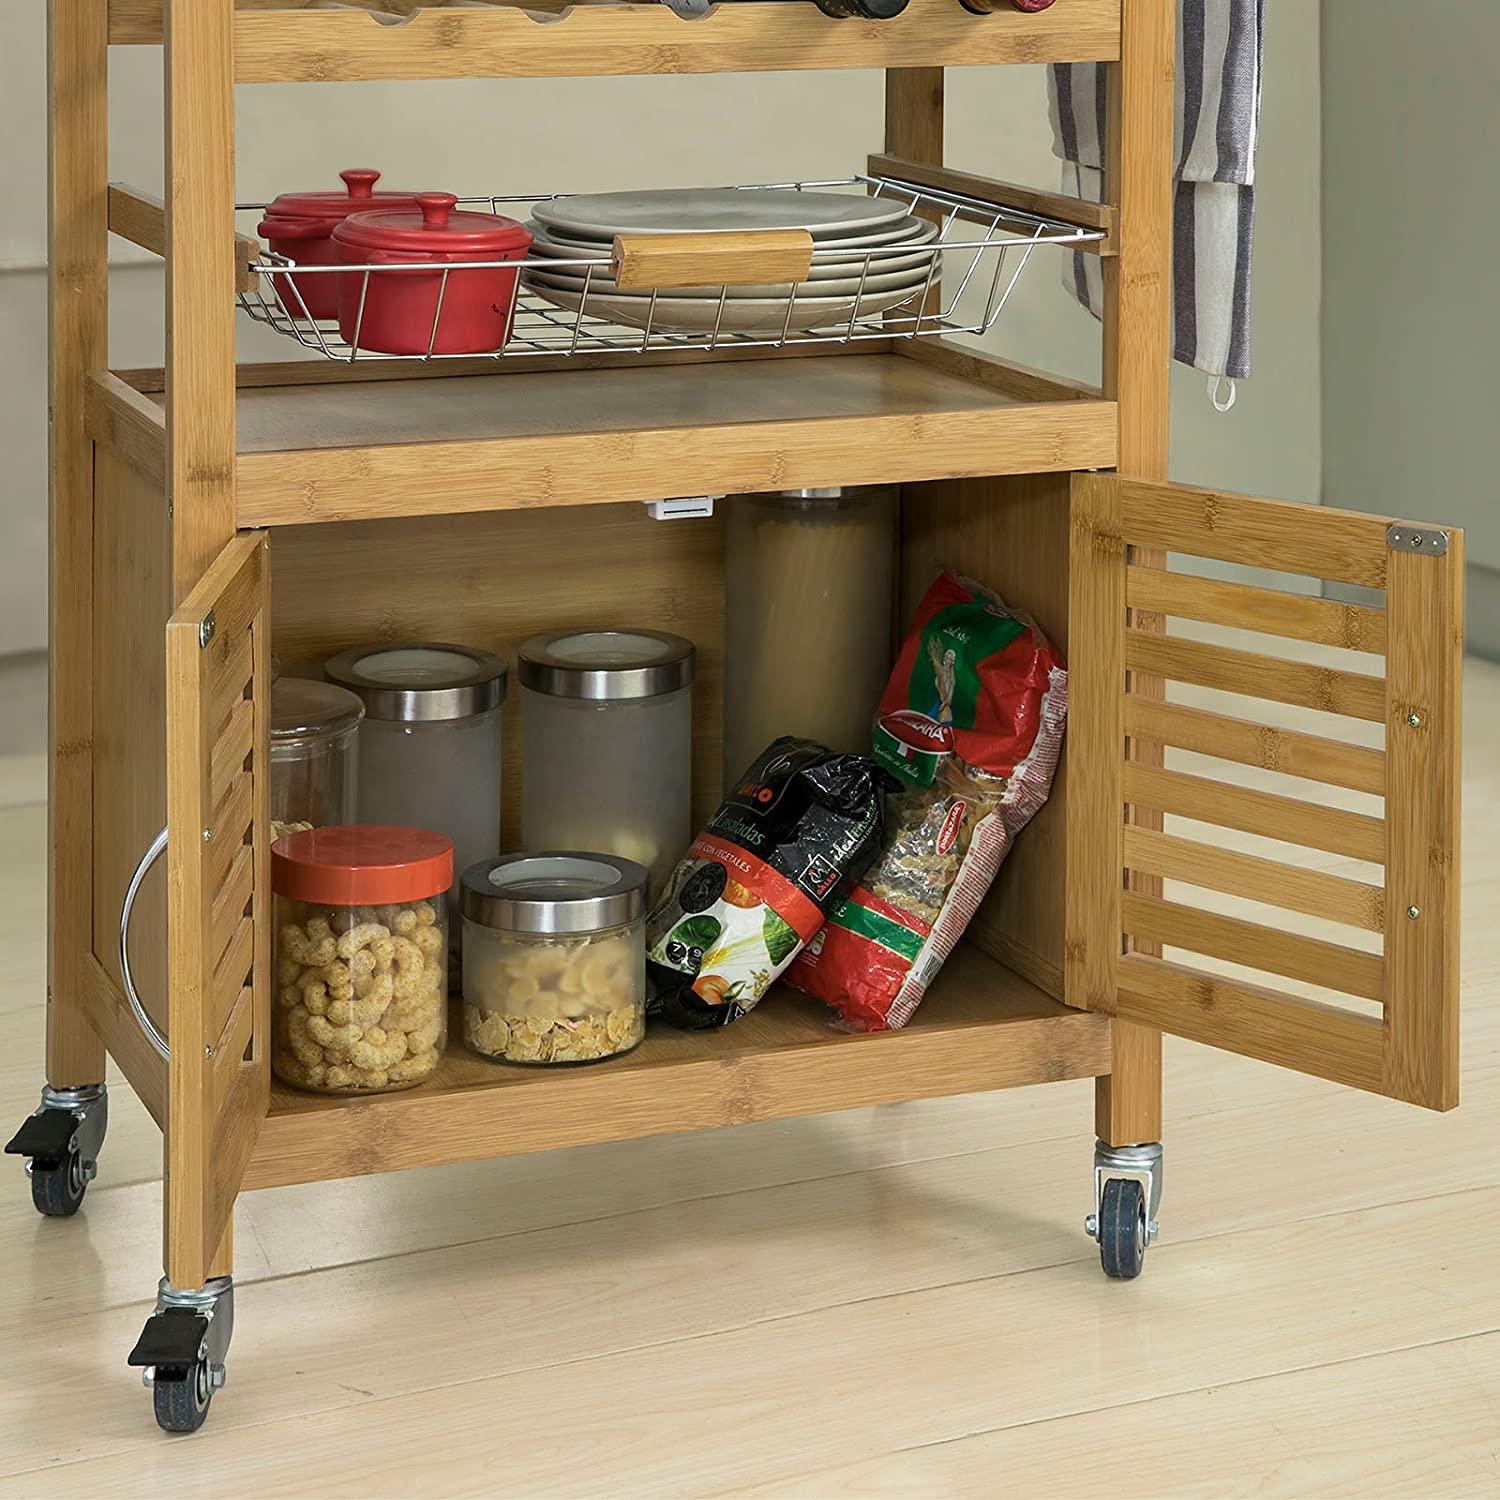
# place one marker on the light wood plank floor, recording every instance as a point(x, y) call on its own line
point(892, 1302)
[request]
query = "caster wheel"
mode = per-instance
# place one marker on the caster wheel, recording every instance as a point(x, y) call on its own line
point(61, 1143)
point(58, 1191)
point(182, 1400)
point(1122, 1228)
point(182, 1351)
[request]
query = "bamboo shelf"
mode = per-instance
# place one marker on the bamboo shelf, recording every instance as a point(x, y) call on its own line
point(286, 43)
point(980, 1027)
point(338, 450)
point(204, 515)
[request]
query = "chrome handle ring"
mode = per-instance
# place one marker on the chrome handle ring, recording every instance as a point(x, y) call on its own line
point(127, 907)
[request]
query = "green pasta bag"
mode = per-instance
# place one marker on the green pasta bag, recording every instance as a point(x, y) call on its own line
point(971, 724)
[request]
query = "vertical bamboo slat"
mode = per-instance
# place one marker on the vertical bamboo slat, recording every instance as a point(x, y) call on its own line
point(1424, 597)
point(201, 276)
point(1096, 738)
point(1137, 351)
point(78, 291)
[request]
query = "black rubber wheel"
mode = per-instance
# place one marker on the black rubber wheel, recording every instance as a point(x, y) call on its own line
point(182, 1400)
point(58, 1191)
point(1122, 1228)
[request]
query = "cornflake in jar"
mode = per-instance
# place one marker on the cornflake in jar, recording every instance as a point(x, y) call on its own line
point(361, 989)
point(573, 993)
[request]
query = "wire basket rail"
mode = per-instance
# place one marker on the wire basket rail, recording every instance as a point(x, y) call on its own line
point(966, 269)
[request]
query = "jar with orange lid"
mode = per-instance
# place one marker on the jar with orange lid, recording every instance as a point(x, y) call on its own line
point(361, 957)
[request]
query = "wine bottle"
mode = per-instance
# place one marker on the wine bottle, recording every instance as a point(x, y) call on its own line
point(989, 7)
point(870, 10)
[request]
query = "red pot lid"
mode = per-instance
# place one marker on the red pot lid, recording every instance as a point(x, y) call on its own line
point(361, 864)
point(438, 224)
point(330, 208)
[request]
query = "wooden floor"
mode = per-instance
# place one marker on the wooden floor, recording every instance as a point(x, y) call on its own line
point(892, 1302)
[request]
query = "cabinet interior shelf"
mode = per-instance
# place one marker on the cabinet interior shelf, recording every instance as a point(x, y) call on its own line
point(980, 1027)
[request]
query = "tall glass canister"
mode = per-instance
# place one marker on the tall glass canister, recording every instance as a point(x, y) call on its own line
point(809, 593)
point(314, 730)
point(429, 747)
point(606, 745)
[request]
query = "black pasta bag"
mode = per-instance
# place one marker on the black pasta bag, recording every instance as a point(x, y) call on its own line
point(785, 846)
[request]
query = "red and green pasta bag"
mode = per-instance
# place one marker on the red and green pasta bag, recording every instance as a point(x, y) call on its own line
point(971, 724)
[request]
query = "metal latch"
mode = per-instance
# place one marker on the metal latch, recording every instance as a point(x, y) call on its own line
point(1416, 539)
point(680, 510)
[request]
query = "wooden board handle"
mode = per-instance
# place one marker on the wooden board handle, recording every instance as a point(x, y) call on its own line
point(658, 262)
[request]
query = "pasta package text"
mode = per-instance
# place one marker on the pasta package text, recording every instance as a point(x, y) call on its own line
point(784, 847)
point(971, 723)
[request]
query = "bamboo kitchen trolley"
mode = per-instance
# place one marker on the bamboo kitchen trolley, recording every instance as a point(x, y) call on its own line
point(198, 509)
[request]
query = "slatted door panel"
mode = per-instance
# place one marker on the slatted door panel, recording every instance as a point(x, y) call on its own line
point(1362, 743)
point(219, 917)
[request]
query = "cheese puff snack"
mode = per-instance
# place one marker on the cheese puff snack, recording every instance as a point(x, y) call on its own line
point(362, 1006)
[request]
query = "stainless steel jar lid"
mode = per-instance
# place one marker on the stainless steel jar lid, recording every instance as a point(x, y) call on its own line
point(829, 497)
point(556, 894)
point(606, 665)
point(417, 682)
point(305, 711)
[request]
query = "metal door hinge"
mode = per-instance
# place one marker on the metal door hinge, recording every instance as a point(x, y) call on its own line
point(1416, 539)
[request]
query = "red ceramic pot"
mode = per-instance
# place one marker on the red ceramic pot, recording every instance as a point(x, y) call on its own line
point(393, 311)
point(299, 226)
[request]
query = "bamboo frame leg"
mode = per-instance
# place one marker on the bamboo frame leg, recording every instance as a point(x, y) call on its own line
point(221, 1263)
point(75, 1051)
point(200, 381)
point(914, 114)
point(1127, 1103)
point(914, 126)
point(78, 290)
point(1137, 363)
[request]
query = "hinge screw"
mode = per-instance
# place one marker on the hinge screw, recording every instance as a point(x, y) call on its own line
point(208, 1052)
point(206, 630)
point(1413, 912)
point(1414, 721)
point(208, 835)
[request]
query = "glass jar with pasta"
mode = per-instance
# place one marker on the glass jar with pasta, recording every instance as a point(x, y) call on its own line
point(361, 957)
point(554, 957)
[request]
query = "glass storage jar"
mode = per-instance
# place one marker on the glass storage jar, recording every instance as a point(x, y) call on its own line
point(809, 590)
point(429, 747)
point(554, 957)
point(361, 957)
point(314, 740)
point(607, 745)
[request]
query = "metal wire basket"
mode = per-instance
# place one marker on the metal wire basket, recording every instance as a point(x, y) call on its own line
point(972, 265)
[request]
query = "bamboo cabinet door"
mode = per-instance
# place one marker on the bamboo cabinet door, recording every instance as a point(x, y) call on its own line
point(1349, 967)
point(219, 912)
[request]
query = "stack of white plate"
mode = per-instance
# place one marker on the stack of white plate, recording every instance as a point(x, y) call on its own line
point(868, 257)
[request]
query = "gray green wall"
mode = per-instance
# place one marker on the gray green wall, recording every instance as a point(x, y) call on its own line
point(1411, 226)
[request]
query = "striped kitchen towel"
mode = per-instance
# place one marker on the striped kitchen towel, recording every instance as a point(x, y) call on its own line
point(1219, 51)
